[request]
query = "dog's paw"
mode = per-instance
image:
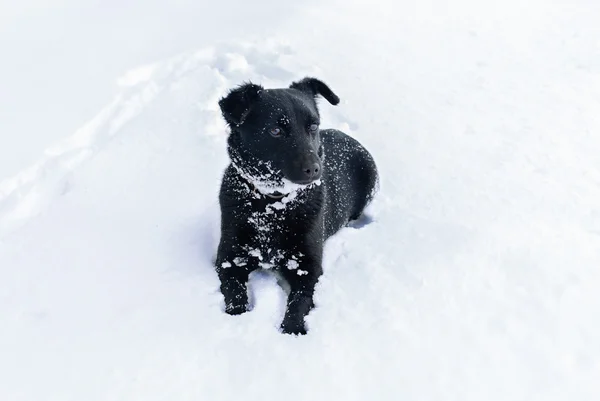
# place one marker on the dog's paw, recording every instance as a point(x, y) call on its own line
point(236, 308)
point(293, 327)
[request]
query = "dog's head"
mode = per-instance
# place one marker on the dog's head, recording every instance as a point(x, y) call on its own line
point(275, 132)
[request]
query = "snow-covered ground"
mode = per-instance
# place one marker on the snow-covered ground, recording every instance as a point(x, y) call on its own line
point(60, 58)
point(477, 280)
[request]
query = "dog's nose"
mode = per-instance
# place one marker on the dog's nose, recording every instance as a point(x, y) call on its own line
point(312, 171)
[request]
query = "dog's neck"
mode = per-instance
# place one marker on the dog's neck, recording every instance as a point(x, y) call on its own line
point(257, 187)
point(264, 183)
point(274, 190)
point(273, 195)
point(260, 188)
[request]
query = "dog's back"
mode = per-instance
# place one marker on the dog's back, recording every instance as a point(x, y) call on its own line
point(350, 179)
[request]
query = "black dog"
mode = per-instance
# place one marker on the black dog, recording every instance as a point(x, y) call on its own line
point(289, 187)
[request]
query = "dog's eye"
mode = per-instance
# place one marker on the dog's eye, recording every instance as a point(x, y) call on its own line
point(275, 132)
point(313, 128)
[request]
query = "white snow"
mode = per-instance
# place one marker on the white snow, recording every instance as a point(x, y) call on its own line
point(240, 261)
point(292, 264)
point(475, 278)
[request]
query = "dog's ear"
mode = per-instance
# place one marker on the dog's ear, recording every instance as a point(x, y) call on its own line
point(235, 106)
point(314, 87)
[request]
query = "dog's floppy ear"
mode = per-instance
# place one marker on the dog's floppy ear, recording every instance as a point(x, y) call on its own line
point(314, 87)
point(235, 106)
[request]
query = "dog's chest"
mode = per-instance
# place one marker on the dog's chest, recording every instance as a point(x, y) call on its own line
point(272, 234)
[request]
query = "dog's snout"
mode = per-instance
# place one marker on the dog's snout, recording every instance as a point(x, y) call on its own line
point(312, 171)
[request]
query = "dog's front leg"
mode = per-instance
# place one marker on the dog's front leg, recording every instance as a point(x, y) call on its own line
point(302, 281)
point(233, 267)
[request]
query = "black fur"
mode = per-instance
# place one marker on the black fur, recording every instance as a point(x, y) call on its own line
point(273, 140)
